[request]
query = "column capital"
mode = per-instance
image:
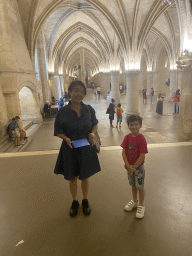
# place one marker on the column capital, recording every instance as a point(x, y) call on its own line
point(173, 71)
point(132, 73)
point(114, 73)
point(184, 61)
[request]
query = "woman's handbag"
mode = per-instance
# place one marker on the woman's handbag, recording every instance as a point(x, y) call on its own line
point(97, 138)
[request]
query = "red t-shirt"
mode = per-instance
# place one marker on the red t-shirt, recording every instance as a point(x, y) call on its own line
point(134, 146)
point(176, 98)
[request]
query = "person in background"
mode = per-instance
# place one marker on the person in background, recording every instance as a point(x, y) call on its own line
point(23, 137)
point(144, 91)
point(98, 92)
point(95, 92)
point(176, 99)
point(47, 107)
point(119, 113)
point(152, 95)
point(159, 106)
point(53, 102)
point(60, 103)
point(111, 111)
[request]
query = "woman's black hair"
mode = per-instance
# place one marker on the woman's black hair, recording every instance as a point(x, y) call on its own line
point(119, 105)
point(75, 83)
point(112, 100)
point(133, 118)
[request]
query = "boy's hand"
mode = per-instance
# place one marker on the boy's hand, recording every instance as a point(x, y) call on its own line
point(130, 169)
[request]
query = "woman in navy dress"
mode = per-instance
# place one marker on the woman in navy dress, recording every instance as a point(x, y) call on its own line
point(77, 121)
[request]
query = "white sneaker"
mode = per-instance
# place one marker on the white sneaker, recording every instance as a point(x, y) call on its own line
point(140, 212)
point(129, 207)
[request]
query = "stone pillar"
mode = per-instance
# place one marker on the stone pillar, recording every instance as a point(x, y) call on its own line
point(132, 93)
point(43, 68)
point(107, 80)
point(66, 80)
point(101, 82)
point(149, 81)
point(57, 87)
point(173, 83)
point(82, 66)
point(185, 106)
point(9, 95)
point(179, 78)
point(156, 82)
point(3, 114)
point(115, 94)
point(62, 85)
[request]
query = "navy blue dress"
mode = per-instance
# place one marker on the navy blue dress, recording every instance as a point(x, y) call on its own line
point(83, 161)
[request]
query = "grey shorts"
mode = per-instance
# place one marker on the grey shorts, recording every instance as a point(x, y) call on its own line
point(137, 178)
point(119, 118)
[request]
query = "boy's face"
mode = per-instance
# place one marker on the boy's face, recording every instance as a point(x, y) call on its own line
point(134, 127)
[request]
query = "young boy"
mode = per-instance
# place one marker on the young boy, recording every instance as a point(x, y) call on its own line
point(134, 149)
point(119, 115)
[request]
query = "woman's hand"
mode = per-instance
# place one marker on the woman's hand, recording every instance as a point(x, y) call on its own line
point(69, 143)
point(92, 138)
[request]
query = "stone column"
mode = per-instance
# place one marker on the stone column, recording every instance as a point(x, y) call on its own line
point(115, 94)
point(82, 66)
point(132, 92)
point(107, 80)
point(101, 82)
point(173, 83)
point(185, 106)
point(43, 68)
point(156, 82)
point(9, 95)
point(179, 77)
point(62, 85)
point(57, 87)
point(149, 81)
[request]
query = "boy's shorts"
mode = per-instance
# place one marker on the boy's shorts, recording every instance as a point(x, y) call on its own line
point(119, 118)
point(137, 178)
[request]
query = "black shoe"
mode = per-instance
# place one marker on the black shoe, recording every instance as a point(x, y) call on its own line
point(74, 208)
point(86, 207)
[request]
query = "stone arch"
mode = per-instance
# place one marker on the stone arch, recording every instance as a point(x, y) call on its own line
point(29, 102)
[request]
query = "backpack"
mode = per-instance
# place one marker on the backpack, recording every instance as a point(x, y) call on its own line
point(118, 111)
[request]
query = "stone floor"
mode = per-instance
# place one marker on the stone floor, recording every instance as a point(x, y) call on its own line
point(34, 202)
point(156, 129)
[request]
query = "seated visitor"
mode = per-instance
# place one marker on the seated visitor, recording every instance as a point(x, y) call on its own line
point(47, 107)
point(23, 137)
point(53, 101)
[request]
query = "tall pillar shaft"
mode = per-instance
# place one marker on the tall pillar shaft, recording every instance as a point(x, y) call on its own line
point(156, 82)
point(107, 80)
point(173, 83)
point(185, 106)
point(43, 68)
point(58, 92)
point(101, 82)
point(132, 92)
point(62, 85)
point(149, 81)
point(115, 94)
point(9, 95)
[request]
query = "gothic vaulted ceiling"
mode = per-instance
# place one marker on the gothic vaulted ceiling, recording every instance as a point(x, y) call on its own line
point(105, 32)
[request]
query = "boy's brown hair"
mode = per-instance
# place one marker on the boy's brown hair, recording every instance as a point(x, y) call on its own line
point(133, 118)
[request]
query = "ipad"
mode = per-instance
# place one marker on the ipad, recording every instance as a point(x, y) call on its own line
point(80, 143)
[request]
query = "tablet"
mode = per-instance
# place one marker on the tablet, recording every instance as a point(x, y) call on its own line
point(80, 143)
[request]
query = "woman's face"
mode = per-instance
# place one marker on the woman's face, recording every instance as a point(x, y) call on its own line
point(77, 94)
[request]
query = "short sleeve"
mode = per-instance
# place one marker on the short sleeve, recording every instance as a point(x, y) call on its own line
point(143, 145)
point(94, 120)
point(124, 143)
point(57, 126)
